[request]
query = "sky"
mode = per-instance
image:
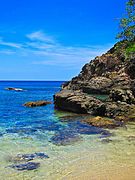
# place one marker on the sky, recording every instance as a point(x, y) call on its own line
point(53, 39)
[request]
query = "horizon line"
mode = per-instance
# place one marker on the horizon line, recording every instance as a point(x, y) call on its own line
point(33, 80)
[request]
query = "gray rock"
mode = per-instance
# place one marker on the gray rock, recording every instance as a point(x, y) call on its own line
point(78, 102)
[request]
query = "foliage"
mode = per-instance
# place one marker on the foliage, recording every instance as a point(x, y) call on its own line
point(130, 49)
point(127, 24)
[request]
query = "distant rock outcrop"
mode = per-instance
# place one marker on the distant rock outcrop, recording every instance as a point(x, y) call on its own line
point(14, 89)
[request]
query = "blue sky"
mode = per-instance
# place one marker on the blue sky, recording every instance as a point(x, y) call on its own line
point(53, 39)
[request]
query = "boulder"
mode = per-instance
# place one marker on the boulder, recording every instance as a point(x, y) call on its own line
point(78, 102)
point(63, 138)
point(37, 103)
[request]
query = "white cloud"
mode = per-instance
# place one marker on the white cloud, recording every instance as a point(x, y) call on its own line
point(10, 44)
point(69, 57)
point(48, 51)
point(40, 36)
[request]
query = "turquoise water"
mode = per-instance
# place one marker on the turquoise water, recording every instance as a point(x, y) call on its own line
point(23, 121)
point(75, 150)
point(100, 97)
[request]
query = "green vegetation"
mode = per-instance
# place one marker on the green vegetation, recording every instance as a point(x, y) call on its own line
point(127, 24)
point(130, 49)
point(125, 49)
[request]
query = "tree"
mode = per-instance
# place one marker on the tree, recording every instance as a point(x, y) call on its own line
point(127, 24)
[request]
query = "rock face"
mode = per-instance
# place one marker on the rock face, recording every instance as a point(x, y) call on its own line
point(37, 103)
point(98, 85)
point(105, 72)
point(122, 96)
point(79, 102)
point(111, 74)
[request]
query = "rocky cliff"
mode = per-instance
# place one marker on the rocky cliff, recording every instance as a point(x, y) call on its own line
point(113, 75)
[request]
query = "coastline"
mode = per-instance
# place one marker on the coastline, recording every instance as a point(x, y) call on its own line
point(90, 158)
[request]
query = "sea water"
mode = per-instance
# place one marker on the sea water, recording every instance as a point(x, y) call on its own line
point(75, 150)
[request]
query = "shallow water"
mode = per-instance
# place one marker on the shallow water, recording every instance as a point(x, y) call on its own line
point(75, 150)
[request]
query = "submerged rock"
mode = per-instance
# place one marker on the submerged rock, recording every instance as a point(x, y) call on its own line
point(102, 122)
point(80, 127)
point(106, 140)
point(21, 130)
point(27, 166)
point(65, 138)
point(75, 117)
point(28, 157)
point(37, 103)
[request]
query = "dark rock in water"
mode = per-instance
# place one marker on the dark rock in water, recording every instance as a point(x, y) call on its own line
point(83, 128)
point(65, 138)
point(28, 157)
point(41, 155)
point(37, 103)
point(14, 89)
point(49, 127)
point(27, 166)
point(70, 118)
point(106, 140)
point(79, 102)
point(106, 135)
point(21, 130)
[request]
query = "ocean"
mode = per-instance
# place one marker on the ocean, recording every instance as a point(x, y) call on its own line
point(75, 150)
